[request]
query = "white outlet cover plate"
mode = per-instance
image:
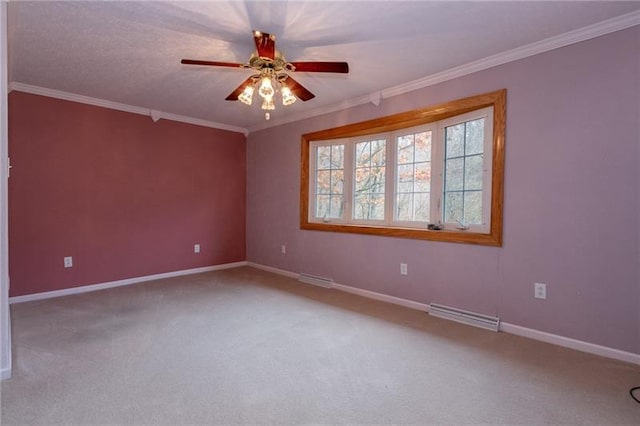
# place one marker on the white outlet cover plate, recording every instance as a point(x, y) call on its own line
point(540, 291)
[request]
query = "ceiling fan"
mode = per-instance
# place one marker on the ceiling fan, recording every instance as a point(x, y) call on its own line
point(272, 71)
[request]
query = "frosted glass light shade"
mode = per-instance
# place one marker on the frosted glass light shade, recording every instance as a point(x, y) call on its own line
point(266, 88)
point(246, 96)
point(287, 96)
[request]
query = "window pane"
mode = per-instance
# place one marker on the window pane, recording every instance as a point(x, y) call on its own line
point(336, 206)
point(453, 207)
point(423, 146)
point(322, 206)
point(454, 177)
point(422, 177)
point(473, 173)
point(337, 156)
point(377, 180)
point(378, 152)
point(404, 206)
point(337, 181)
point(323, 182)
point(360, 206)
point(324, 157)
point(454, 140)
point(475, 137)
point(405, 178)
point(363, 180)
point(473, 207)
point(329, 206)
point(377, 207)
point(363, 154)
point(405, 149)
point(421, 207)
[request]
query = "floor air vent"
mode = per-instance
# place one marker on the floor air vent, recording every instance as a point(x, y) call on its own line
point(319, 281)
point(466, 317)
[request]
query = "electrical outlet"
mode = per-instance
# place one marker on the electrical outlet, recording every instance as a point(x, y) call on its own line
point(283, 249)
point(68, 262)
point(540, 291)
point(403, 269)
point(196, 248)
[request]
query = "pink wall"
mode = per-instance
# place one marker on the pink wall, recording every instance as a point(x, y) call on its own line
point(126, 197)
point(572, 194)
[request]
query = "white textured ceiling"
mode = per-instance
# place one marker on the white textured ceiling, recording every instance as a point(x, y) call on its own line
point(129, 52)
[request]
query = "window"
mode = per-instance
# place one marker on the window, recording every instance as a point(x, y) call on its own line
point(464, 167)
point(329, 180)
point(435, 173)
point(355, 190)
point(369, 180)
point(413, 177)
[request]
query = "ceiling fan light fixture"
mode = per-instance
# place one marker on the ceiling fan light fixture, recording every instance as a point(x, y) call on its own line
point(246, 97)
point(266, 88)
point(271, 74)
point(287, 97)
point(267, 104)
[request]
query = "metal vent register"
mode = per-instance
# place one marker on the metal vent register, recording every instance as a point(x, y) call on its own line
point(465, 317)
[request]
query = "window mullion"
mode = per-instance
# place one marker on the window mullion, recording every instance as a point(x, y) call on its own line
point(312, 182)
point(390, 179)
point(349, 171)
point(437, 173)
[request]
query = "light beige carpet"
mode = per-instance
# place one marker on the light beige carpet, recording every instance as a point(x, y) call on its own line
point(243, 346)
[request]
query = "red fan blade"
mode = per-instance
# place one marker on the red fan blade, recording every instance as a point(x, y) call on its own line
point(298, 89)
point(266, 44)
point(211, 63)
point(339, 67)
point(233, 96)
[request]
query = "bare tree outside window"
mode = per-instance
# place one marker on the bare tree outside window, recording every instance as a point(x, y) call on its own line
point(463, 173)
point(330, 181)
point(413, 184)
point(370, 170)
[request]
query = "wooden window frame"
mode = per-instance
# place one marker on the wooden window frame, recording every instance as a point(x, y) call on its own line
point(493, 237)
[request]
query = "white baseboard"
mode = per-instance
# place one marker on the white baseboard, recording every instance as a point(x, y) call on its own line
point(348, 289)
point(274, 270)
point(128, 281)
point(382, 297)
point(5, 373)
point(518, 330)
point(570, 343)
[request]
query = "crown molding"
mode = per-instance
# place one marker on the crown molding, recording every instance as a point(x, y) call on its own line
point(154, 114)
point(581, 34)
